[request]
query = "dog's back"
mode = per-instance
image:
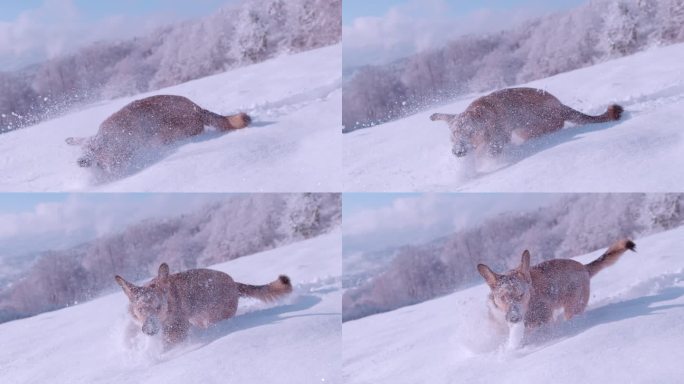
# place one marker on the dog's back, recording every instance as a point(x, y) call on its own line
point(512, 109)
point(533, 293)
point(147, 123)
point(518, 114)
point(557, 284)
point(202, 296)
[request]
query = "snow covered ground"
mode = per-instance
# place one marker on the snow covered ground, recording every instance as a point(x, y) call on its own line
point(643, 152)
point(297, 340)
point(294, 144)
point(632, 332)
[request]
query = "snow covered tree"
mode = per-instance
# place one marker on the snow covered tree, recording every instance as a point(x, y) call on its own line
point(235, 35)
point(569, 227)
point(237, 226)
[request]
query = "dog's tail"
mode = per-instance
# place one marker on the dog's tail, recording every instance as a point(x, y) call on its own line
point(614, 112)
point(226, 123)
point(441, 116)
point(269, 292)
point(610, 256)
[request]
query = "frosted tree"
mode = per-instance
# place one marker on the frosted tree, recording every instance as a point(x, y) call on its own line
point(571, 226)
point(620, 18)
point(235, 35)
point(593, 32)
point(221, 231)
point(672, 27)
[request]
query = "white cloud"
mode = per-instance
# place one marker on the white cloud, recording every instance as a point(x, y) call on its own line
point(421, 218)
point(59, 27)
point(81, 217)
point(418, 25)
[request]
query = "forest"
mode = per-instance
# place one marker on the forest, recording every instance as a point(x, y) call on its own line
point(594, 32)
point(234, 36)
point(239, 226)
point(574, 225)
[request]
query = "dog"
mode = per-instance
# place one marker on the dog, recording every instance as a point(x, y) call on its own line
point(512, 114)
point(149, 123)
point(171, 303)
point(529, 296)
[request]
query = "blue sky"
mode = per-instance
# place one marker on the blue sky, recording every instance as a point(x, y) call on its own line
point(34, 30)
point(352, 9)
point(11, 203)
point(379, 31)
point(374, 222)
point(32, 222)
point(96, 9)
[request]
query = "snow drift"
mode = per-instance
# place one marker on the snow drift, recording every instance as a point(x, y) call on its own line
point(631, 332)
point(297, 340)
point(293, 144)
point(643, 152)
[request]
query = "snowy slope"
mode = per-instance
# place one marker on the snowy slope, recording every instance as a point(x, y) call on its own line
point(297, 340)
point(293, 146)
point(643, 152)
point(632, 332)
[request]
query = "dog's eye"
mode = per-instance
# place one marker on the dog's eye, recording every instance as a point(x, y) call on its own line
point(515, 296)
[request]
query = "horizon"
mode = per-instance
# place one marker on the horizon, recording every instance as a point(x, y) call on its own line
point(37, 30)
point(387, 30)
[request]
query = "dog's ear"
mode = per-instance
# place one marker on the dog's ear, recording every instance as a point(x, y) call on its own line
point(525, 263)
point(128, 288)
point(490, 276)
point(163, 271)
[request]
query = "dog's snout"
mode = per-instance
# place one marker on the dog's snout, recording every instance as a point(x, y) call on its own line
point(84, 162)
point(513, 315)
point(459, 151)
point(150, 327)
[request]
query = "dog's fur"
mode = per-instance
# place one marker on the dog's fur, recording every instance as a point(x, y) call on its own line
point(151, 122)
point(513, 114)
point(170, 303)
point(532, 294)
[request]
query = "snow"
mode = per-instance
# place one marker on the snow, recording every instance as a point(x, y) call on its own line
point(296, 340)
point(631, 332)
point(644, 152)
point(295, 102)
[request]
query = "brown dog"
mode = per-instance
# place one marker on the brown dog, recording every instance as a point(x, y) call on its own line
point(199, 297)
point(513, 114)
point(148, 123)
point(531, 295)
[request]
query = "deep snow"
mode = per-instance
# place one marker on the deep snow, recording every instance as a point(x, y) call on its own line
point(296, 340)
point(632, 332)
point(643, 152)
point(294, 144)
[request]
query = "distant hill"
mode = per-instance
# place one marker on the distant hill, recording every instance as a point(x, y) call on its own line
point(234, 36)
point(594, 32)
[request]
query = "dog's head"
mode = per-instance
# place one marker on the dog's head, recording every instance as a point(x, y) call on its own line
point(510, 292)
point(463, 130)
point(148, 303)
point(107, 154)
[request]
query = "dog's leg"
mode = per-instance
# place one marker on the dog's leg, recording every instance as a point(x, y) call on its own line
point(516, 333)
point(174, 332)
point(520, 135)
point(558, 313)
